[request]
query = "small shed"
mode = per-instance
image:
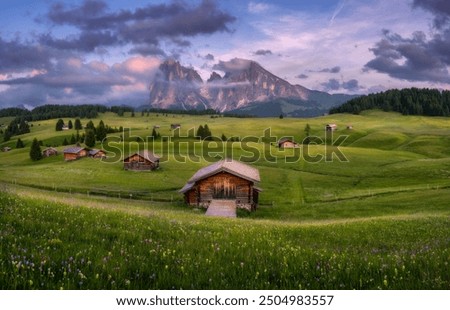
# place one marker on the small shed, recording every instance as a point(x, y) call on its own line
point(286, 143)
point(225, 180)
point(175, 126)
point(73, 153)
point(156, 126)
point(141, 161)
point(50, 151)
point(331, 127)
point(6, 149)
point(94, 153)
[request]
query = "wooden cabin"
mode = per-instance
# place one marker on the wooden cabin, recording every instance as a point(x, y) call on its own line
point(287, 143)
point(49, 152)
point(73, 153)
point(94, 153)
point(6, 149)
point(142, 161)
point(331, 127)
point(175, 126)
point(226, 179)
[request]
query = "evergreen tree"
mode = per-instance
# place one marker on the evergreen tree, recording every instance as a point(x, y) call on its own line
point(307, 140)
point(35, 150)
point(73, 140)
point(201, 132)
point(70, 125)
point(223, 138)
point(90, 126)
point(207, 133)
point(132, 114)
point(65, 142)
point(59, 125)
point(78, 125)
point(19, 144)
point(154, 134)
point(89, 139)
point(101, 131)
point(23, 127)
point(281, 116)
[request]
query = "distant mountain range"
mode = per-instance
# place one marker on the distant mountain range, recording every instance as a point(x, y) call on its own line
point(245, 88)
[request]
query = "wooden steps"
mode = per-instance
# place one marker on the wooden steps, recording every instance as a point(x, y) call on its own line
point(223, 208)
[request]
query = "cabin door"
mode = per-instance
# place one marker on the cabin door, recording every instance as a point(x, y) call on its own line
point(224, 190)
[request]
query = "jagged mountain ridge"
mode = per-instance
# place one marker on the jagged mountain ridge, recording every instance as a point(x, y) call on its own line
point(244, 85)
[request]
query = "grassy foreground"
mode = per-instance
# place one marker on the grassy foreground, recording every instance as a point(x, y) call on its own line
point(66, 245)
point(380, 220)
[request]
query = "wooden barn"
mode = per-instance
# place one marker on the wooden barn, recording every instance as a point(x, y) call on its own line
point(94, 153)
point(224, 180)
point(50, 151)
point(331, 127)
point(73, 153)
point(287, 143)
point(144, 160)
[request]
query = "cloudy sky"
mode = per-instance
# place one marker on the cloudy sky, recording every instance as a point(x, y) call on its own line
point(99, 51)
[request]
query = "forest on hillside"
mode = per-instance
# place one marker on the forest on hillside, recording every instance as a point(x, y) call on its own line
point(409, 101)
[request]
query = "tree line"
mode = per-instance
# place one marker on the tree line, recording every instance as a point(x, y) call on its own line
point(408, 101)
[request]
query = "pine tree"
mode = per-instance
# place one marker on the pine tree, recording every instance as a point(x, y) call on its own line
point(101, 131)
point(59, 125)
point(70, 125)
point(207, 133)
point(89, 139)
point(19, 144)
point(73, 140)
point(65, 142)
point(35, 150)
point(78, 125)
point(154, 134)
point(224, 138)
point(90, 126)
point(200, 132)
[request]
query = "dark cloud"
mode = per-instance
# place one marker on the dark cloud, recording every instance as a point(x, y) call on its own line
point(439, 8)
point(351, 85)
point(302, 76)
point(335, 69)
point(235, 64)
point(262, 52)
point(143, 26)
point(413, 59)
point(16, 56)
point(418, 58)
point(209, 57)
point(147, 50)
point(334, 85)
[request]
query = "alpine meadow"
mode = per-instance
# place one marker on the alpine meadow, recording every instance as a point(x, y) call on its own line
point(365, 206)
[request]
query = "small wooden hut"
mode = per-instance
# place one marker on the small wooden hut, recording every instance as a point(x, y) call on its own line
point(73, 153)
point(175, 126)
point(331, 127)
point(226, 179)
point(94, 153)
point(50, 151)
point(144, 160)
point(287, 143)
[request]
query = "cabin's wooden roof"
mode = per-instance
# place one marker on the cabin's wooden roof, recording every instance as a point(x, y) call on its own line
point(146, 155)
point(95, 151)
point(228, 165)
point(283, 140)
point(73, 150)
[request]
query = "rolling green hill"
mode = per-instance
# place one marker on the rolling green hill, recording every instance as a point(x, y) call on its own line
point(378, 219)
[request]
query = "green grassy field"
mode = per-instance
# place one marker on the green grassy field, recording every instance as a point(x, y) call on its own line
point(380, 219)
